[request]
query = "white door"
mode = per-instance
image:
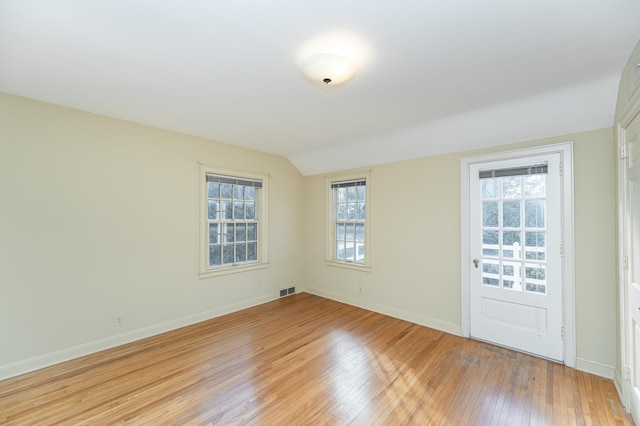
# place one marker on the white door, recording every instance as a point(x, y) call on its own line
point(633, 250)
point(515, 235)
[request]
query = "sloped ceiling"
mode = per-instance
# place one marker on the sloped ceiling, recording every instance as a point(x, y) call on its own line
point(433, 76)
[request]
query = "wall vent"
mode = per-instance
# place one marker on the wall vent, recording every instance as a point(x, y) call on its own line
point(287, 291)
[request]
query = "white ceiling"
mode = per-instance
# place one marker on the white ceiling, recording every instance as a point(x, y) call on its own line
point(433, 76)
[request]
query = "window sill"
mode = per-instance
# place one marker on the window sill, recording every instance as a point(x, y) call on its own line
point(349, 265)
point(232, 270)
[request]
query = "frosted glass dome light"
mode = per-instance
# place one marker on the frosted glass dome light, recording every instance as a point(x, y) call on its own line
point(327, 70)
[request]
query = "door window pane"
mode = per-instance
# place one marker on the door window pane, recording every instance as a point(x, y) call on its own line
point(511, 244)
point(489, 188)
point(511, 214)
point(490, 214)
point(490, 273)
point(490, 243)
point(511, 187)
point(535, 245)
point(534, 213)
point(534, 186)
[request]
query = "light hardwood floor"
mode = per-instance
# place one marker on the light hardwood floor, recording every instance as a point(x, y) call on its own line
point(308, 360)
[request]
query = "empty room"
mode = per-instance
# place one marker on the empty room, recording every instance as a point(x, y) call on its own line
point(337, 213)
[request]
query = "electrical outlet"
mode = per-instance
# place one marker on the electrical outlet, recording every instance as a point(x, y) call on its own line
point(118, 320)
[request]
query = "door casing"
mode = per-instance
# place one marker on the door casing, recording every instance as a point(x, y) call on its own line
point(622, 379)
point(568, 269)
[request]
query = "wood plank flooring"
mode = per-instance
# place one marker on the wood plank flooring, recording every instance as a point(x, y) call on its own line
point(308, 360)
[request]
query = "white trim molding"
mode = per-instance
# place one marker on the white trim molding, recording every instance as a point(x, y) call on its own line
point(67, 354)
point(568, 274)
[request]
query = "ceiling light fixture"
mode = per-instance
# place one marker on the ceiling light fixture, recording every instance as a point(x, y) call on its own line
point(327, 70)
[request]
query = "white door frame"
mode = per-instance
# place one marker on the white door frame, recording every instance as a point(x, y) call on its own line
point(568, 273)
point(622, 380)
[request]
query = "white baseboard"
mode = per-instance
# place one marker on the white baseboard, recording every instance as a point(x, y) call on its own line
point(444, 326)
point(46, 360)
point(596, 368)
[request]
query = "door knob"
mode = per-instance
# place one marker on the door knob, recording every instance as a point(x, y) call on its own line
point(475, 262)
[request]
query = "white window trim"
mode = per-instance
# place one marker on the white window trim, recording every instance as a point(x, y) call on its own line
point(263, 230)
point(330, 229)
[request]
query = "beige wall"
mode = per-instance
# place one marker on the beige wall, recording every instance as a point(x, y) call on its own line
point(415, 245)
point(100, 217)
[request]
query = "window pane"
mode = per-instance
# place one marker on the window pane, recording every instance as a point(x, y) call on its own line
point(251, 210)
point(490, 214)
point(341, 211)
point(241, 233)
point(238, 192)
point(490, 243)
point(213, 210)
point(226, 210)
point(490, 273)
point(228, 232)
point(536, 288)
point(341, 194)
point(213, 190)
point(214, 233)
point(511, 214)
point(252, 251)
point(535, 245)
point(238, 210)
point(215, 255)
point(252, 231)
point(349, 251)
point(512, 271)
point(489, 188)
point(511, 187)
point(350, 232)
point(250, 193)
point(362, 193)
point(534, 213)
point(490, 268)
point(351, 211)
point(241, 252)
point(534, 186)
point(340, 250)
point(340, 231)
point(511, 244)
point(360, 232)
point(362, 211)
point(227, 254)
point(535, 271)
point(359, 252)
point(226, 191)
point(351, 193)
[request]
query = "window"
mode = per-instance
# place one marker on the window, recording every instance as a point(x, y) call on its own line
point(234, 221)
point(348, 239)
